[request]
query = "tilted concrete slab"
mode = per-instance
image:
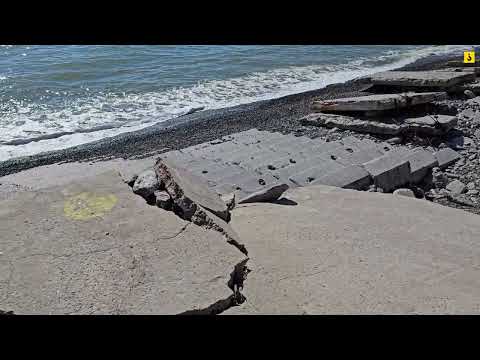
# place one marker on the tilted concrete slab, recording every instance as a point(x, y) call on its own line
point(94, 247)
point(429, 79)
point(350, 177)
point(389, 171)
point(378, 102)
point(421, 161)
point(350, 252)
point(446, 157)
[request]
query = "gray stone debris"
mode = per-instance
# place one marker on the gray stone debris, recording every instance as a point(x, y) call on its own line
point(271, 193)
point(471, 185)
point(404, 192)
point(439, 179)
point(456, 187)
point(187, 191)
point(146, 184)
point(163, 200)
point(379, 102)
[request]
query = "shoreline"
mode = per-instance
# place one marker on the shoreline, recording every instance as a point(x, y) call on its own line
point(279, 114)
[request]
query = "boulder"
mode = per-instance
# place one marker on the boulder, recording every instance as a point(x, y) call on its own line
point(146, 184)
point(404, 192)
point(469, 94)
point(456, 187)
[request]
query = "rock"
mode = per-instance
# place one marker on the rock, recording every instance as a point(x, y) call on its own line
point(404, 192)
point(271, 193)
point(229, 200)
point(163, 200)
point(469, 94)
point(146, 184)
point(195, 109)
point(472, 157)
point(395, 140)
point(430, 125)
point(456, 187)
point(439, 179)
point(472, 192)
point(189, 191)
point(471, 185)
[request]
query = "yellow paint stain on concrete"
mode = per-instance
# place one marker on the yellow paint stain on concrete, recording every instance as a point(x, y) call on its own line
point(86, 205)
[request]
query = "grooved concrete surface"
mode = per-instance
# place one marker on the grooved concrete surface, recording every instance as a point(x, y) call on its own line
point(349, 252)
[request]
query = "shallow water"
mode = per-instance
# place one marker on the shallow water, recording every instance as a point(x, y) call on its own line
point(53, 97)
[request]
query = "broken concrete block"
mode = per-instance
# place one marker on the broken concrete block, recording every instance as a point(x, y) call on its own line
point(187, 191)
point(389, 171)
point(456, 187)
point(430, 125)
point(163, 200)
point(146, 184)
point(351, 177)
point(378, 102)
point(271, 193)
point(429, 79)
point(404, 192)
point(421, 161)
point(350, 123)
point(446, 157)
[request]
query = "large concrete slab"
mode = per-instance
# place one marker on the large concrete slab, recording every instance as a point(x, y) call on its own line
point(422, 79)
point(378, 102)
point(421, 162)
point(349, 252)
point(93, 247)
point(316, 171)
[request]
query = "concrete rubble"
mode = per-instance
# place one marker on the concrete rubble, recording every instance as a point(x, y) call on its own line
point(422, 79)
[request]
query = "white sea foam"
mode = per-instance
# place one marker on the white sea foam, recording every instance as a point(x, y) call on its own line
point(31, 129)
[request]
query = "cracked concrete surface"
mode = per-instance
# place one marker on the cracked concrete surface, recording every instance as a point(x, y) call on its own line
point(130, 260)
point(349, 252)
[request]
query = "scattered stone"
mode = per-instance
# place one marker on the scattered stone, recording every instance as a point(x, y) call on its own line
point(472, 192)
point(188, 190)
point(472, 157)
point(163, 199)
point(404, 192)
point(456, 187)
point(471, 185)
point(146, 184)
point(229, 200)
point(458, 199)
point(469, 94)
point(270, 193)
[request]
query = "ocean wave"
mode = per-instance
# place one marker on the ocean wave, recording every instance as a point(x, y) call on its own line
point(30, 128)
